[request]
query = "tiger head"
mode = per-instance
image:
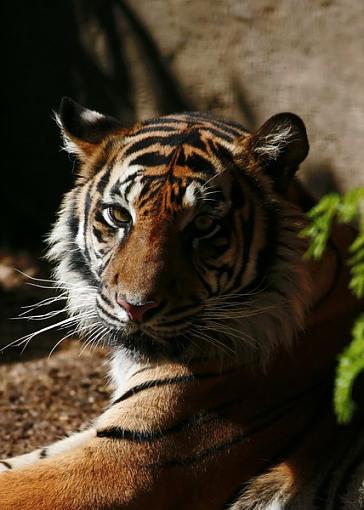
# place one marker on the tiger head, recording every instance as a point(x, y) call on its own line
point(176, 239)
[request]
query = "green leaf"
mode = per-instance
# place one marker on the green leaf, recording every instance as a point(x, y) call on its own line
point(319, 229)
point(349, 206)
point(347, 209)
point(351, 363)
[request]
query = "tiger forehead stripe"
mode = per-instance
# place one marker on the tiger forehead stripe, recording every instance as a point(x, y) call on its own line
point(187, 153)
point(191, 118)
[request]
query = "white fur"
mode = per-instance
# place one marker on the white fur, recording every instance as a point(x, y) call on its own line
point(91, 116)
point(123, 366)
point(68, 144)
point(274, 143)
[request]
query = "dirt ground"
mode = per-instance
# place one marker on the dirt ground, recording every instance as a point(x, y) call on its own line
point(43, 398)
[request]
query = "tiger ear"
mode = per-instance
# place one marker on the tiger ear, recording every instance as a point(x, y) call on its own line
point(82, 129)
point(280, 145)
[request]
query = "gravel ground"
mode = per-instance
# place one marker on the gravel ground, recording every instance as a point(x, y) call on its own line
point(42, 398)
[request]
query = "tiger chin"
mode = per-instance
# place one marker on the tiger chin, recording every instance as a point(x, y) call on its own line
point(179, 246)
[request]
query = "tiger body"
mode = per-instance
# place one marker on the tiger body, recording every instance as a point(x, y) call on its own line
point(179, 246)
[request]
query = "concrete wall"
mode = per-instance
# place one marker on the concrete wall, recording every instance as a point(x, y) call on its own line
point(242, 59)
point(248, 59)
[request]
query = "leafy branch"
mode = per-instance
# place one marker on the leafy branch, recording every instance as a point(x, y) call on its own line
point(346, 209)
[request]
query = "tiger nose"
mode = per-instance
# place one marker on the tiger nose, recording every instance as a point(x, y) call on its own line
point(136, 312)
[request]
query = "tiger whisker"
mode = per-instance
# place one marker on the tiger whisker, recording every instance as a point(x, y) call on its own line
point(75, 331)
point(46, 301)
point(96, 331)
point(66, 285)
point(235, 314)
point(32, 277)
point(228, 330)
point(66, 308)
point(63, 323)
point(59, 342)
point(40, 317)
point(213, 341)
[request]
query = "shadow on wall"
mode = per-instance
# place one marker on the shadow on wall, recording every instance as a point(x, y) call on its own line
point(49, 56)
point(320, 178)
point(47, 59)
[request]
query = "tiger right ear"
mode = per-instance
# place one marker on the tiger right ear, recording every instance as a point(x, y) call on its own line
point(279, 146)
point(82, 129)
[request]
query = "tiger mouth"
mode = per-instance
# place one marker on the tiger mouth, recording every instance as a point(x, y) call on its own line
point(145, 342)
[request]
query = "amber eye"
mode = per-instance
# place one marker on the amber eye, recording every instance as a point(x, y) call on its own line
point(204, 223)
point(117, 216)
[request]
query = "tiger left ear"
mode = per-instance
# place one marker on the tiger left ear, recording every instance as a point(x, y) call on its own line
point(83, 130)
point(279, 146)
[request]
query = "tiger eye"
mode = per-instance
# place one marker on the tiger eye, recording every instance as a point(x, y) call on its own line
point(119, 215)
point(204, 222)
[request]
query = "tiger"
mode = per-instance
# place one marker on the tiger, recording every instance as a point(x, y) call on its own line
point(179, 247)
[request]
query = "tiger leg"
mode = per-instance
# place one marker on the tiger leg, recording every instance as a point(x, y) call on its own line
point(92, 477)
point(64, 445)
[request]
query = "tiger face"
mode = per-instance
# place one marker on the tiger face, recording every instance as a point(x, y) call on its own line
point(172, 240)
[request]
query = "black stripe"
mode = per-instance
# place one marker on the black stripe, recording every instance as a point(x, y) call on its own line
point(100, 218)
point(128, 189)
point(78, 263)
point(85, 221)
point(190, 137)
point(98, 234)
point(274, 414)
point(154, 128)
point(146, 436)
point(220, 133)
point(144, 369)
point(150, 159)
point(148, 193)
point(73, 219)
point(240, 438)
point(205, 284)
point(233, 127)
point(130, 177)
point(174, 318)
point(208, 123)
point(43, 453)
point(174, 380)
point(248, 232)
point(101, 185)
point(107, 314)
point(196, 163)
point(98, 166)
point(167, 120)
point(199, 418)
point(105, 299)
point(6, 464)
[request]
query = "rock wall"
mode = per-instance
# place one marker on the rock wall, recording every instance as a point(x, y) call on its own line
point(241, 59)
point(248, 59)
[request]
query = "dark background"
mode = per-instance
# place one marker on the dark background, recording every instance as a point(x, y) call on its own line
point(45, 60)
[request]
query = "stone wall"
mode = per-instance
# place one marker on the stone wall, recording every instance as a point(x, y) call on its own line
point(241, 59)
point(248, 59)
